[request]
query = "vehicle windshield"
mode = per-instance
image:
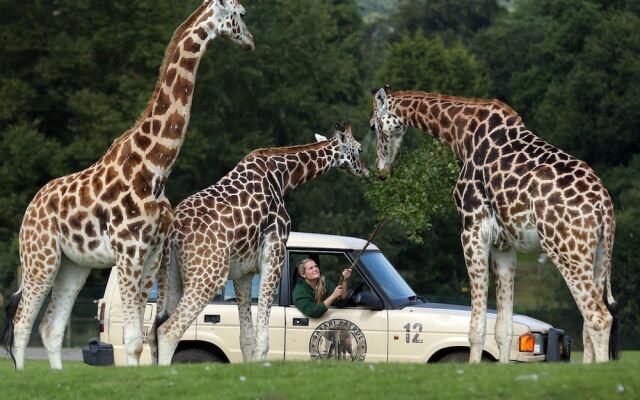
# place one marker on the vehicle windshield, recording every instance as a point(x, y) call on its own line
point(396, 289)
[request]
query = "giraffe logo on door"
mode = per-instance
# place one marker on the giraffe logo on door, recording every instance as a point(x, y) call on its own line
point(338, 339)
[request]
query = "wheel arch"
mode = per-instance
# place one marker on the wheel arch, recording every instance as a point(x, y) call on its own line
point(203, 345)
point(438, 355)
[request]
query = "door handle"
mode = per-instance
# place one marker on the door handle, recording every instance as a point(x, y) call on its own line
point(301, 322)
point(212, 318)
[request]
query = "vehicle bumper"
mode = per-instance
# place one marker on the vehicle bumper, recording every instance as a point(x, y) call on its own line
point(97, 353)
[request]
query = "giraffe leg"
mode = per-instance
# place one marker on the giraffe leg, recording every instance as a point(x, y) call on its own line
point(195, 297)
point(476, 251)
point(70, 279)
point(580, 276)
point(504, 263)
point(129, 285)
point(151, 266)
point(169, 294)
point(588, 356)
point(247, 334)
point(600, 338)
point(30, 304)
point(33, 291)
point(272, 256)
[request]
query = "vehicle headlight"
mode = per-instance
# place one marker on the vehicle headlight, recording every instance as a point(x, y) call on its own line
point(532, 343)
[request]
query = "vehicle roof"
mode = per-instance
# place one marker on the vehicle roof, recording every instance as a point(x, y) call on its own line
point(321, 241)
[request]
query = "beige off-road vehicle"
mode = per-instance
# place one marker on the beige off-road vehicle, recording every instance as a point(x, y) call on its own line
point(384, 320)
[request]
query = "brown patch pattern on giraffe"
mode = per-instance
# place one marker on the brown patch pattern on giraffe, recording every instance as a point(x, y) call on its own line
point(221, 232)
point(515, 191)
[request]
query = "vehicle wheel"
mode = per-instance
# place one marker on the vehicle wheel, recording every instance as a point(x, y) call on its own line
point(194, 356)
point(461, 357)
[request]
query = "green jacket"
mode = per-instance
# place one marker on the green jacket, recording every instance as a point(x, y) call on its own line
point(304, 299)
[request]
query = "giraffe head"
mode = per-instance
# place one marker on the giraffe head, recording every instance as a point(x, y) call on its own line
point(227, 21)
point(350, 150)
point(389, 129)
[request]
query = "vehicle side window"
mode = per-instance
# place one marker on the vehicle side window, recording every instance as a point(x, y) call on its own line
point(225, 295)
point(153, 295)
point(229, 294)
point(331, 267)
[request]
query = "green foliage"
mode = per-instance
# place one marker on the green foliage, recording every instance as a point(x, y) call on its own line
point(571, 68)
point(422, 181)
point(419, 188)
point(425, 63)
point(453, 20)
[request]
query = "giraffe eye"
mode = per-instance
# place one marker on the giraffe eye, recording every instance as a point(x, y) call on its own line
point(372, 127)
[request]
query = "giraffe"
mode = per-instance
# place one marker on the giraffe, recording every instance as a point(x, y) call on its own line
point(515, 192)
point(234, 229)
point(115, 211)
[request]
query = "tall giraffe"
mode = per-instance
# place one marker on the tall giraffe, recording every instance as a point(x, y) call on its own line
point(234, 229)
point(515, 192)
point(115, 211)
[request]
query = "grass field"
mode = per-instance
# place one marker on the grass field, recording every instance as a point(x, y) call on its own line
point(325, 380)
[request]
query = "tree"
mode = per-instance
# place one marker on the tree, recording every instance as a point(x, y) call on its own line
point(452, 20)
point(570, 68)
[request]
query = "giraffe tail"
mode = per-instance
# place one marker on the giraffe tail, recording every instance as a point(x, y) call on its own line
point(609, 301)
point(7, 327)
point(612, 306)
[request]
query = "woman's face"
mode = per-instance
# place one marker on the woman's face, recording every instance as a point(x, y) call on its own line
point(311, 271)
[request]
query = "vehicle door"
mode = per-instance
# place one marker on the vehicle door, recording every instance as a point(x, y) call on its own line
point(349, 333)
point(219, 322)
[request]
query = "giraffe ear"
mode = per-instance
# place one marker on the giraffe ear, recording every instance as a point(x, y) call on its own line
point(320, 138)
point(382, 103)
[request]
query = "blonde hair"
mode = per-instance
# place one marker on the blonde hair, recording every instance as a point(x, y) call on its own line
point(320, 288)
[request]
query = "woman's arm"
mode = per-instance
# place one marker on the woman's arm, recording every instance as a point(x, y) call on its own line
point(306, 304)
point(346, 274)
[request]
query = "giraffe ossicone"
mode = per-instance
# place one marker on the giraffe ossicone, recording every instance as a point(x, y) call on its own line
point(515, 192)
point(234, 229)
point(115, 211)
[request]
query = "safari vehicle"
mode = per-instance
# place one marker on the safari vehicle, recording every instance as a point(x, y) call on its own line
point(384, 320)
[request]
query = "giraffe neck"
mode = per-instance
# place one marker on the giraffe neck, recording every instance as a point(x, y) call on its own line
point(158, 134)
point(295, 165)
point(456, 122)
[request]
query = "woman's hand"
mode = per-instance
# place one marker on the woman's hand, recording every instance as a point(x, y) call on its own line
point(337, 293)
point(346, 273)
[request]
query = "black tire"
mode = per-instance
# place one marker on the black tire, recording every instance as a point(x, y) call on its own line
point(461, 357)
point(194, 356)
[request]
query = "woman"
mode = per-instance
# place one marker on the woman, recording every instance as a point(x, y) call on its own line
point(314, 296)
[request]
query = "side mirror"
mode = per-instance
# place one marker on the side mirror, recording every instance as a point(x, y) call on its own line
point(369, 300)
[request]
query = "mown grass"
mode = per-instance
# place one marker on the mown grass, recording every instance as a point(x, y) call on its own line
point(326, 380)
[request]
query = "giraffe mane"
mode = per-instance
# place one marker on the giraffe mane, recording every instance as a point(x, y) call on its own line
point(459, 99)
point(177, 35)
point(277, 151)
